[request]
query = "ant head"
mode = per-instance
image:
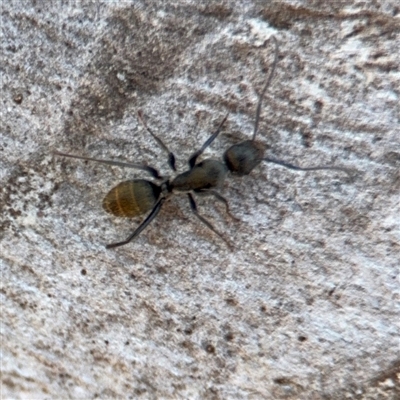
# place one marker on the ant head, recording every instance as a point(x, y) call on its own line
point(243, 157)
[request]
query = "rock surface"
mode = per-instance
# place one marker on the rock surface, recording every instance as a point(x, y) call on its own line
point(306, 305)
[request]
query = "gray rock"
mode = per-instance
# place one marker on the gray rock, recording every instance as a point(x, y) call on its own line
point(306, 305)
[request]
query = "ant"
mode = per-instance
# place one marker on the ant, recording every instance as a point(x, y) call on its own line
point(136, 197)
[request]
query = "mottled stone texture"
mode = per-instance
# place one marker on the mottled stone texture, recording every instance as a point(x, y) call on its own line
point(306, 305)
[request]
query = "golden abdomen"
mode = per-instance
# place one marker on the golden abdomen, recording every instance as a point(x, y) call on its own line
point(131, 198)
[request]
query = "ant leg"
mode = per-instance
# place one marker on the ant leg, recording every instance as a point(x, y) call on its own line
point(296, 168)
point(171, 156)
point(258, 112)
point(156, 209)
point(193, 157)
point(193, 206)
point(150, 170)
point(218, 197)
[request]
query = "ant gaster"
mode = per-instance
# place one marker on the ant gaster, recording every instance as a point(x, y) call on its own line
point(136, 197)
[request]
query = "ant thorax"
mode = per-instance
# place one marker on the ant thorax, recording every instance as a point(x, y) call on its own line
point(207, 174)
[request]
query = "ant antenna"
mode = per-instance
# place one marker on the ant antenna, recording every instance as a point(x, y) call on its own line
point(285, 164)
point(171, 157)
point(258, 112)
